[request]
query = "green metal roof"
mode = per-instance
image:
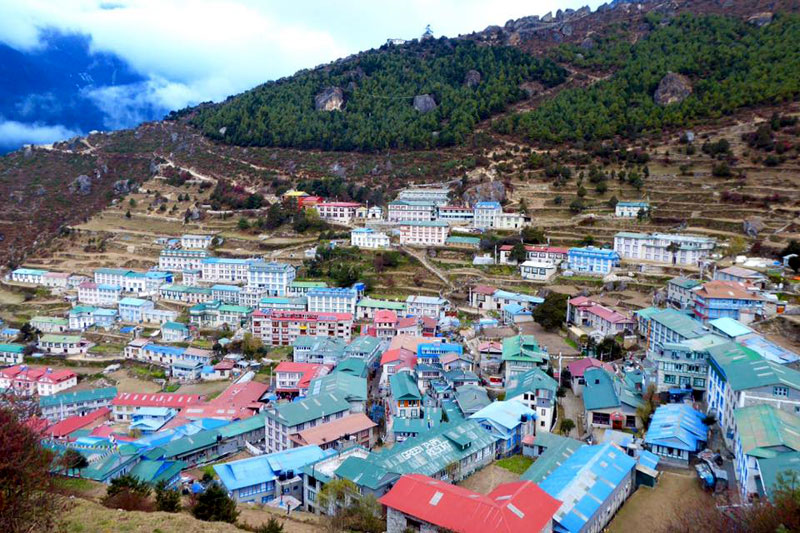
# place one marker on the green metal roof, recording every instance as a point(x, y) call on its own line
point(752, 374)
point(558, 449)
point(343, 385)
point(365, 473)
point(381, 304)
point(603, 391)
point(308, 284)
point(685, 283)
point(730, 326)
point(404, 387)
point(363, 344)
point(70, 339)
point(240, 309)
point(529, 382)
point(50, 320)
point(240, 427)
point(80, 396)
point(678, 322)
point(523, 348)
point(772, 467)
point(457, 239)
point(471, 398)
point(174, 325)
point(190, 443)
point(155, 471)
point(766, 431)
point(648, 312)
point(311, 408)
point(11, 348)
point(354, 366)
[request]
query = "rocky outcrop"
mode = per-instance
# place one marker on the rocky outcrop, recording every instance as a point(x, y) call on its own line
point(532, 88)
point(424, 103)
point(472, 78)
point(81, 185)
point(760, 19)
point(122, 186)
point(672, 89)
point(490, 191)
point(330, 99)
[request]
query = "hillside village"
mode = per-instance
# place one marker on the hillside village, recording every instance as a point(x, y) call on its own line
point(283, 384)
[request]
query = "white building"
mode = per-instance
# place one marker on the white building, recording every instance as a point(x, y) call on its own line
point(181, 260)
point(684, 249)
point(98, 293)
point(225, 270)
point(537, 270)
point(332, 300)
point(508, 221)
point(433, 233)
point(456, 214)
point(368, 238)
point(28, 275)
point(485, 213)
point(61, 344)
point(437, 196)
point(546, 254)
point(56, 280)
point(409, 211)
point(273, 277)
point(432, 306)
point(630, 209)
point(196, 241)
point(338, 212)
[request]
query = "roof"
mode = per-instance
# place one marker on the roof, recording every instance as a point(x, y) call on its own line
point(725, 290)
point(457, 239)
point(265, 468)
point(30, 271)
point(399, 354)
point(531, 381)
point(355, 366)
point(772, 467)
point(523, 348)
point(577, 368)
point(511, 507)
point(312, 408)
point(507, 414)
point(153, 472)
point(73, 423)
point(64, 339)
point(730, 327)
point(741, 272)
point(769, 350)
point(174, 325)
point(344, 385)
point(385, 316)
point(754, 373)
point(678, 426)
point(471, 398)
point(685, 283)
point(50, 320)
point(136, 302)
point(765, 431)
point(11, 348)
point(334, 430)
point(160, 399)
point(678, 322)
point(557, 449)
point(80, 396)
point(381, 304)
point(585, 481)
point(307, 284)
point(602, 391)
point(404, 387)
point(484, 289)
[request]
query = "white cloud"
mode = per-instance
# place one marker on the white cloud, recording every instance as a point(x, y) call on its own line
point(13, 133)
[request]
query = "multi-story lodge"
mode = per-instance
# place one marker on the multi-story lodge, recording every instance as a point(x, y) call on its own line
point(369, 238)
point(437, 196)
point(289, 418)
point(591, 260)
point(91, 293)
point(484, 214)
point(630, 209)
point(668, 248)
point(178, 260)
point(337, 212)
point(547, 254)
point(272, 276)
point(281, 328)
point(332, 300)
point(424, 233)
point(456, 214)
point(731, 299)
point(583, 311)
point(680, 291)
point(225, 270)
point(185, 294)
point(411, 211)
point(196, 241)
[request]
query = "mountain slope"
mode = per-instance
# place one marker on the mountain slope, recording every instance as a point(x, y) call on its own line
point(467, 83)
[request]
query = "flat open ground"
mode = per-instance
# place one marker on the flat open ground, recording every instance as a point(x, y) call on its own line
point(487, 479)
point(649, 507)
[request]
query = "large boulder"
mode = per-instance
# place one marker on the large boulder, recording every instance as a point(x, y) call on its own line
point(81, 185)
point(330, 99)
point(472, 78)
point(672, 89)
point(424, 103)
point(490, 191)
point(760, 19)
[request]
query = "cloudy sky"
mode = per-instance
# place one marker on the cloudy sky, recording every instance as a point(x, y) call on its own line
point(189, 51)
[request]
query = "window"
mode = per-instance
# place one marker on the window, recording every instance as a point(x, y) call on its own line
point(783, 392)
point(669, 378)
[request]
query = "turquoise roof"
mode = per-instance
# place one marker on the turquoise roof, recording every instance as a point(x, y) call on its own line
point(604, 391)
point(80, 396)
point(342, 384)
point(557, 450)
point(308, 409)
point(404, 387)
point(730, 327)
point(530, 382)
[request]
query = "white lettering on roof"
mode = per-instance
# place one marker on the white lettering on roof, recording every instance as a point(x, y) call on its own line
point(436, 498)
point(513, 508)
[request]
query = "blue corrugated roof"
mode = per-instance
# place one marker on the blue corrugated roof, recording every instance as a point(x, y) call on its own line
point(584, 482)
point(264, 468)
point(648, 459)
point(677, 426)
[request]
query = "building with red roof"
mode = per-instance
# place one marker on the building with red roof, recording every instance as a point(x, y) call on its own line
point(393, 360)
point(237, 402)
point(385, 323)
point(28, 381)
point(62, 430)
point(340, 212)
point(480, 296)
point(408, 326)
point(595, 317)
point(355, 428)
point(577, 369)
point(419, 502)
point(126, 403)
point(292, 378)
point(281, 328)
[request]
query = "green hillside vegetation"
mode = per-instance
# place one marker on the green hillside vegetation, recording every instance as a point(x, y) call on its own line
point(731, 65)
point(379, 87)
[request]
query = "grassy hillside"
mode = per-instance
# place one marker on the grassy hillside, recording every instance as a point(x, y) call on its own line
point(379, 87)
point(730, 63)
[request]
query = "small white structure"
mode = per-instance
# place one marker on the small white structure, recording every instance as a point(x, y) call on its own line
point(340, 212)
point(537, 270)
point(630, 209)
point(368, 238)
point(196, 241)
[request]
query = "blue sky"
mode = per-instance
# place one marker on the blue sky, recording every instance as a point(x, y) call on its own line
point(189, 51)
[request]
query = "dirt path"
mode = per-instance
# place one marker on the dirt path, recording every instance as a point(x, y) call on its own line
point(487, 479)
point(424, 261)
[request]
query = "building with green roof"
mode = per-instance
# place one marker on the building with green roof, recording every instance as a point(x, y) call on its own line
point(75, 403)
point(679, 291)
point(353, 366)
point(772, 469)
point(154, 472)
point(522, 353)
point(684, 365)
point(551, 450)
point(404, 396)
point(342, 385)
point(739, 377)
point(670, 325)
point(366, 307)
point(12, 353)
point(50, 324)
point(364, 347)
point(536, 390)
point(608, 401)
point(470, 399)
point(762, 432)
point(301, 287)
point(462, 241)
point(288, 418)
point(61, 344)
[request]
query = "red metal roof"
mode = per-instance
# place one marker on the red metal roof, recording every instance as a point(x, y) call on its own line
point(339, 204)
point(158, 399)
point(385, 315)
point(511, 507)
point(577, 368)
point(57, 376)
point(333, 430)
point(484, 289)
point(74, 423)
point(398, 354)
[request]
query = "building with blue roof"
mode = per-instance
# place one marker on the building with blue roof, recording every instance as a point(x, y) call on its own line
point(332, 300)
point(729, 327)
point(263, 478)
point(676, 433)
point(630, 209)
point(151, 419)
point(592, 483)
point(132, 309)
point(592, 260)
point(769, 350)
point(429, 353)
point(484, 214)
point(228, 294)
point(508, 421)
point(514, 313)
point(28, 275)
point(609, 401)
